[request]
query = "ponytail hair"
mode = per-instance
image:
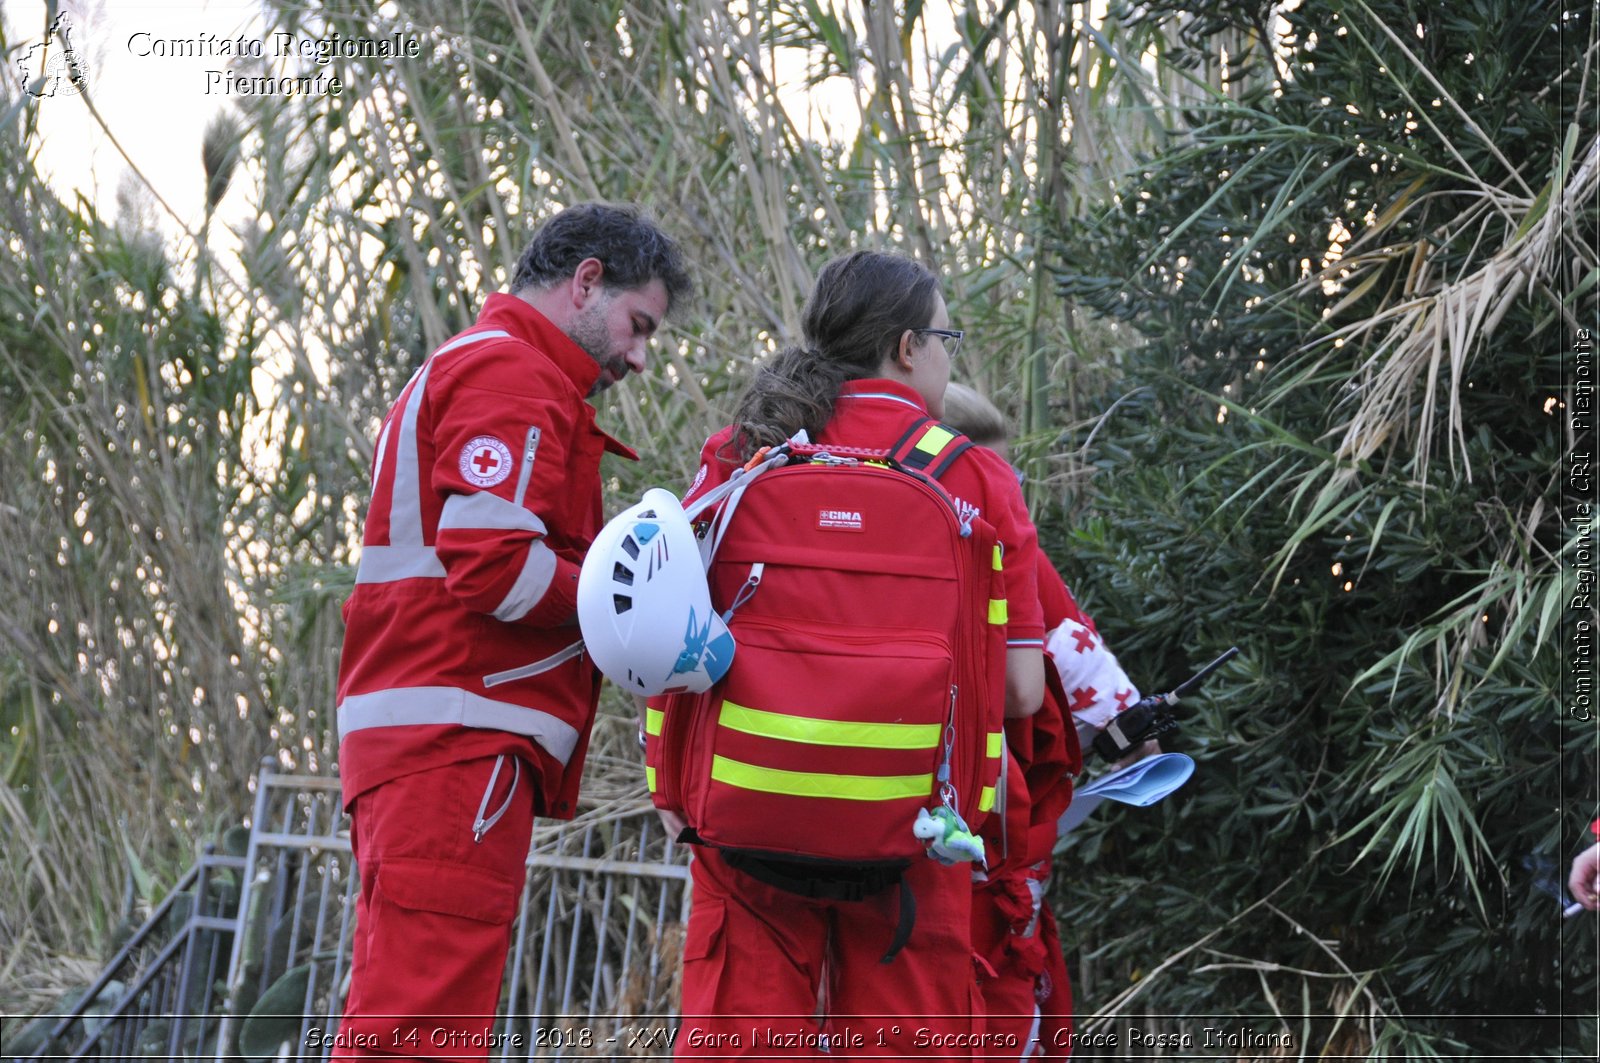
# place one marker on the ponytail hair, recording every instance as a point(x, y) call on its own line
point(795, 390)
point(859, 308)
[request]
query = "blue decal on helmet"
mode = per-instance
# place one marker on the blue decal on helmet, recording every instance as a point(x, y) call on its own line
point(696, 652)
point(719, 656)
point(644, 532)
point(694, 645)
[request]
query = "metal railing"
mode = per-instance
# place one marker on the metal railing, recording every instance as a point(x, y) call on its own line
point(255, 962)
point(159, 997)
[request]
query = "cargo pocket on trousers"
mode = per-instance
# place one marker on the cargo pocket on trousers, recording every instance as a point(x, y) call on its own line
point(448, 889)
point(706, 921)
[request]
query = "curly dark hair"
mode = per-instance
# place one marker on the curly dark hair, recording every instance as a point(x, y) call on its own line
point(859, 308)
point(629, 246)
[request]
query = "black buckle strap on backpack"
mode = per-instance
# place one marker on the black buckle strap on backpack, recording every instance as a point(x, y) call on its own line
point(824, 881)
point(929, 448)
point(902, 928)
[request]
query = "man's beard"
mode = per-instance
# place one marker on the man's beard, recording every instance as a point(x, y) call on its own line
point(589, 332)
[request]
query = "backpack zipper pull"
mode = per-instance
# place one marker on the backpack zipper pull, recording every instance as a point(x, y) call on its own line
point(747, 591)
point(947, 789)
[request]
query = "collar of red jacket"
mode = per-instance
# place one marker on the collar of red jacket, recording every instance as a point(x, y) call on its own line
point(576, 364)
point(884, 389)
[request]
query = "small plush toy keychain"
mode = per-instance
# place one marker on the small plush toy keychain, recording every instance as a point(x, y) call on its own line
point(946, 835)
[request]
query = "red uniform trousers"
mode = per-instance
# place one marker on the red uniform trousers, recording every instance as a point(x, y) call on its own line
point(1026, 993)
point(1054, 992)
point(768, 973)
point(433, 921)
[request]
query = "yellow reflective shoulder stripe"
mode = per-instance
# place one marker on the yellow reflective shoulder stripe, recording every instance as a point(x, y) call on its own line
point(986, 800)
point(935, 439)
point(997, 611)
point(997, 742)
point(817, 784)
point(650, 779)
point(653, 719)
point(812, 731)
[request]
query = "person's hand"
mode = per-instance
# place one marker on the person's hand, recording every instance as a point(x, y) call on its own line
point(1585, 878)
point(674, 823)
point(1149, 749)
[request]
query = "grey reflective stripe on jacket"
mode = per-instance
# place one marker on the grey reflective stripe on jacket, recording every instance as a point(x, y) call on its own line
point(390, 564)
point(414, 706)
point(406, 556)
point(405, 500)
point(483, 510)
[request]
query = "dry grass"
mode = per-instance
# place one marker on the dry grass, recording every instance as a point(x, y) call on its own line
point(1426, 334)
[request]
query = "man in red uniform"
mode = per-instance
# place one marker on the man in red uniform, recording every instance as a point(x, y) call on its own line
point(464, 700)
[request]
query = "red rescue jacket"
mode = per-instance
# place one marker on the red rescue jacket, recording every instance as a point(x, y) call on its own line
point(486, 493)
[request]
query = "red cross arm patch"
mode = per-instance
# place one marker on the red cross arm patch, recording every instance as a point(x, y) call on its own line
point(485, 461)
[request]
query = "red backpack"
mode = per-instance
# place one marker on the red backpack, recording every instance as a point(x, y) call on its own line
point(869, 679)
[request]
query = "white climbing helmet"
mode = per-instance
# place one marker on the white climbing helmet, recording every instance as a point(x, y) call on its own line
point(644, 605)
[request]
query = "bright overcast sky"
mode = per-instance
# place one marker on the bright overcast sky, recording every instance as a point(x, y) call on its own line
point(157, 106)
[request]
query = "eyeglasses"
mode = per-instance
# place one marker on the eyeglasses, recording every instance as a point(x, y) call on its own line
point(951, 336)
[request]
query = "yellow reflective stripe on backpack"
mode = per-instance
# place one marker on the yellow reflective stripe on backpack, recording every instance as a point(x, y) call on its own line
point(650, 779)
point(998, 613)
point(935, 439)
point(994, 748)
point(653, 718)
point(998, 563)
point(818, 784)
point(817, 732)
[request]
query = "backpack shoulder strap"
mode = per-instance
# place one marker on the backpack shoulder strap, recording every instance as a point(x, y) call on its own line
point(928, 447)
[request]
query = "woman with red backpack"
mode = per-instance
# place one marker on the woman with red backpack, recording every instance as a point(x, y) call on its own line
point(791, 956)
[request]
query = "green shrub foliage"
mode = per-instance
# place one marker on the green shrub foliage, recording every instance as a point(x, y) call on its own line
point(1387, 773)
